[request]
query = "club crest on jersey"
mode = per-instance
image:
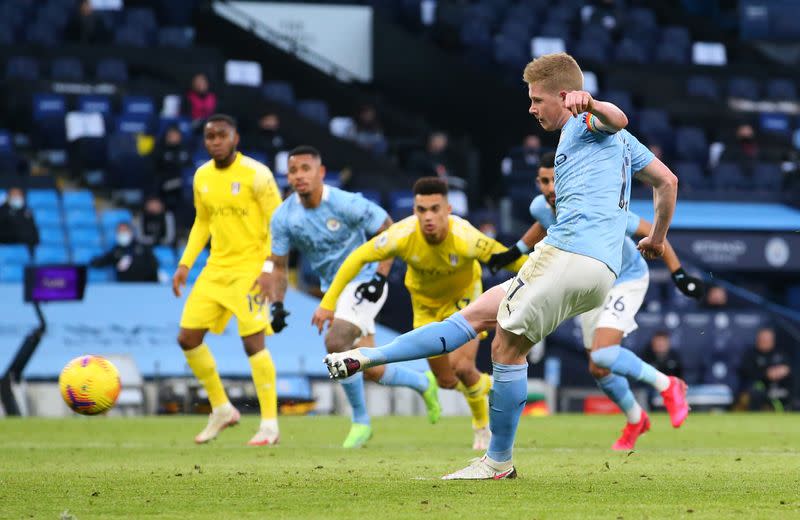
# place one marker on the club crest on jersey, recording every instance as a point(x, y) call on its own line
point(236, 187)
point(332, 224)
point(560, 158)
point(382, 241)
point(453, 260)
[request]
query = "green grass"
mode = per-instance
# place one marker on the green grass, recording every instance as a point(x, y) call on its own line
point(716, 466)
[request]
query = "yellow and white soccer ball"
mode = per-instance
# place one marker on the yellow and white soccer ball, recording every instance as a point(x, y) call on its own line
point(89, 385)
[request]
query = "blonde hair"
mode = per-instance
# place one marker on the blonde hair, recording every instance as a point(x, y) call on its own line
point(555, 72)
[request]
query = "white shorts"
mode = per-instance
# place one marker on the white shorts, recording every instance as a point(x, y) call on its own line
point(359, 312)
point(619, 310)
point(552, 286)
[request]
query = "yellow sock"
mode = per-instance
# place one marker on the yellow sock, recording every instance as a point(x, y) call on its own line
point(476, 396)
point(202, 363)
point(264, 381)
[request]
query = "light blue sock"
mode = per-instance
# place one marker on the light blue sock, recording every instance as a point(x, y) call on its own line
point(623, 362)
point(433, 339)
point(402, 376)
point(354, 389)
point(618, 390)
point(506, 401)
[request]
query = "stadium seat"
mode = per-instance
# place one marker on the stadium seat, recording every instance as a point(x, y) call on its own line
point(22, 68)
point(52, 235)
point(142, 18)
point(14, 254)
point(743, 88)
point(176, 12)
point(517, 30)
point(654, 122)
point(401, 204)
point(690, 176)
point(134, 124)
point(179, 37)
point(631, 51)
point(138, 105)
point(596, 32)
point(112, 70)
point(42, 34)
point(768, 177)
point(66, 69)
point(78, 199)
point(98, 103)
point(476, 33)
point(85, 236)
point(555, 30)
point(51, 254)
point(48, 116)
point(111, 217)
point(40, 199)
point(8, 157)
point(130, 36)
point(702, 86)
point(100, 275)
point(315, 110)
point(729, 176)
point(12, 273)
point(690, 144)
point(165, 256)
point(510, 52)
point(46, 216)
point(775, 123)
point(620, 98)
point(676, 35)
point(84, 254)
point(672, 54)
point(372, 195)
point(81, 218)
point(781, 90)
point(588, 50)
point(279, 91)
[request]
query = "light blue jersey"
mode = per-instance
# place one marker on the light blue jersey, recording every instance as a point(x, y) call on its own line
point(328, 233)
point(592, 182)
point(633, 266)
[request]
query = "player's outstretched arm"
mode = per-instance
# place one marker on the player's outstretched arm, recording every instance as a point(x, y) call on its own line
point(688, 285)
point(608, 116)
point(532, 236)
point(665, 194)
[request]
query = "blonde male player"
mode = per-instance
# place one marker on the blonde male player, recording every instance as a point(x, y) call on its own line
point(442, 252)
point(234, 197)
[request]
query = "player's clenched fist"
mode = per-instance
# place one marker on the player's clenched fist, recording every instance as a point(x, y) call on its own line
point(649, 249)
point(578, 101)
point(179, 279)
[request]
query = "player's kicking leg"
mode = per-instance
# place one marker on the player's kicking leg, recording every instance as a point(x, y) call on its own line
point(204, 367)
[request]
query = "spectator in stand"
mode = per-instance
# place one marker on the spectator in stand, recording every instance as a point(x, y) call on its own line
point(766, 375)
point(434, 160)
point(745, 149)
point(171, 156)
point(16, 221)
point(132, 261)
point(156, 224)
point(86, 26)
point(369, 134)
point(659, 353)
point(269, 138)
point(202, 103)
point(716, 298)
point(525, 158)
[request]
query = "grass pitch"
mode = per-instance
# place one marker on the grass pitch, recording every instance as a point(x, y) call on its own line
point(716, 466)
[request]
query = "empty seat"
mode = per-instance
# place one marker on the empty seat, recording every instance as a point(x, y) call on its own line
point(676, 35)
point(690, 176)
point(476, 33)
point(131, 37)
point(51, 235)
point(142, 18)
point(672, 54)
point(51, 254)
point(112, 70)
point(111, 217)
point(702, 86)
point(509, 52)
point(85, 237)
point(22, 68)
point(620, 98)
point(654, 121)
point(729, 176)
point(38, 199)
point(78, 199)
point(14, 254)
point(631, 51)
point(690, 144)
point(100, 275)
point(589, 50)
point(84, 254)
point(98, 103)
point(743, 88)
point(401, 204)
point(279, 91)
point(81, 218)
point(165, 256)
point(768, 177)
point(47, 216)
point(781, 90)
point(314, 109)
point(138, 105)
point(180, 37)
point(42, 34)
point(48, 116)
point(66, 69)
point(134, 124)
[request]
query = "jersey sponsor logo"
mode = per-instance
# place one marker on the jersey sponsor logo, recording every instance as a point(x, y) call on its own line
point(332, 224)
point(229, 211)
point(236, 187)
point(454, 260)
point(560, 158)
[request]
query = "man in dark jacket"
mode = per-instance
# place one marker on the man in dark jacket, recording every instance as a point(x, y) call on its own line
point(16, 221)
point(766, 374)
point(156, 224)
point(132, 261)
point(659, 353)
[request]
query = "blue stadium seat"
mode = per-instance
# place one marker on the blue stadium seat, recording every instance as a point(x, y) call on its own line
point(42, 34)
point(511, 53)
point(101, 275)
point(22, 68)
point(702, 86)
point(589, 50)
point(476, 33)
point(130, 36)
point(134, 124)
point(95, 103)
point(690, 176)
point(142, 18)
point(177, 12)
point(746, 88)
point(66, 69)
point(78, 199)
point(81, 218)
point(775, 123)
point(518, 30)
point(165, 256)
point(40, 199)
point(279, 91)
point(555, 30)
point(372, 195)
point(13, 13)
point(676, 35)
point(47, 216)
point(401, 204)
point(768, 177)
point(51, 254)
point(672, 54)
point(84, 254)
point(48, 116)
point(597, 33)
point(315, 110)
point(620, 98)
point(14, 254)
point(641, 18)
point(12, 273)
point(112, 70)
point(52, 236)
point(85, 237)
point(8, 157)
point(728, 176)
point(559, 15)
point(179, 37)
point(654, 122)
point(690, 143)
point(781, 90)
point(111, 217)
point(631, 51)
point(138, 105)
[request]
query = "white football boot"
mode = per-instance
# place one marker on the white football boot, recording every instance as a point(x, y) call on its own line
point(484, 468)
point(267, 434)
point(345, 364)
point(219, 419)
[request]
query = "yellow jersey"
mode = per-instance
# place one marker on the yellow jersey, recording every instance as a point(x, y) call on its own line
point(233, 208)
point(436, 272)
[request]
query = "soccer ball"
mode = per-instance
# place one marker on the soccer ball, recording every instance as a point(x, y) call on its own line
point(89, 385)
